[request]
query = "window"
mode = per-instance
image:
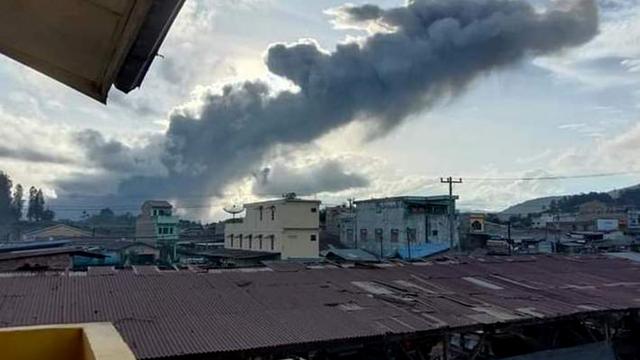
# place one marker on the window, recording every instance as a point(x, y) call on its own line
point(313, 237)
point(350, 235)
point(240, 245)
point(273, 213)
point(230, 240)
point(155, 212)
point(395, 235)
point(273, 242)
point(250, 237)
point(379, 235)
point(171, 231)
point(314, 210)
point(363, 234)
point(260, 241)
point(411, 235)
point(434, 233)
point(260, 209)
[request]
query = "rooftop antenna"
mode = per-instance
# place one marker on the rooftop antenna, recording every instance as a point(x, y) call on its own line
point(233, 210)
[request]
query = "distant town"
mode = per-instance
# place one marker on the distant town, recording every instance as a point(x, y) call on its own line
point(295, 229)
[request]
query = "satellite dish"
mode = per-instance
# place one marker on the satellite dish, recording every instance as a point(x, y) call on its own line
point(234, 209)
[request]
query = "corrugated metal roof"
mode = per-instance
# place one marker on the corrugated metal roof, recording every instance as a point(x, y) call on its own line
point(71, 251)
point(32, 245)
point(358, 255)
point(418, 251)
point(172, 313)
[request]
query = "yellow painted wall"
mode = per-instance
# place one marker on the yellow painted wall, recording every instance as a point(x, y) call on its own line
point(99, 341)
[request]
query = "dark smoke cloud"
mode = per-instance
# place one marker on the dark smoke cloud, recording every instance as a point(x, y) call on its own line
point(32, 155)
point(114, 156)
point(328, 176)
point(430, 51)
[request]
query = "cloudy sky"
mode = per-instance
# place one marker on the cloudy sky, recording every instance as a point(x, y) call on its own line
point(226, 116)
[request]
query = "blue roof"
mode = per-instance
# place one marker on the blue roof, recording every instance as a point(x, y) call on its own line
point(32, 245)
point(419, 251)
point(353, 255)
point(633, 256)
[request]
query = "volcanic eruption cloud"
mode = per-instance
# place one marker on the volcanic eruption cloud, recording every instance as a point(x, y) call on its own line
point(411, 57)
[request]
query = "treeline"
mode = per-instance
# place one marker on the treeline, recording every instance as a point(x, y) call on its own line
point(12, 203)
point(627, 198)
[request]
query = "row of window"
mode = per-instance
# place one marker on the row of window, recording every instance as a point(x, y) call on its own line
point(272, 211)
point(165, 230)
point(267, 242)
point(394, 234)
point(161, 212)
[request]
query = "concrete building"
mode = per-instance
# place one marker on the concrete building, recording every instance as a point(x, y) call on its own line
point(333, 217)
point(633, 221)
point(549, 219)
point(386, 225)
point(156, 222)
point(288, 226)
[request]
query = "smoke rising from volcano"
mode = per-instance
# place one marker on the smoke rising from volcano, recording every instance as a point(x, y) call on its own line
point(429, 50)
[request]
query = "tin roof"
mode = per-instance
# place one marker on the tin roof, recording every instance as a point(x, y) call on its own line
point(178, 313)
point(71, 251)
point(411, 199)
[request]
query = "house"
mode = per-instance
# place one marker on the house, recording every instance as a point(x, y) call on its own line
point(332, 218)
point(56, 232)
point(633, 221)
point(289, 226)
point(549, 220)
point(384, 226)
point(157, 223)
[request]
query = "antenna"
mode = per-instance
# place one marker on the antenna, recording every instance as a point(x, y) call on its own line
point(234, 209)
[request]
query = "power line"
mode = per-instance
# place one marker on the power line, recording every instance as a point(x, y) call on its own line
point(554, 177)
point(136, 207)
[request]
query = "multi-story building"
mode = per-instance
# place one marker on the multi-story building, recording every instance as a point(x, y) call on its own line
point(385, 226)
point(288, 226)
point(333, 217)
point(633, 221)
point(157, 223)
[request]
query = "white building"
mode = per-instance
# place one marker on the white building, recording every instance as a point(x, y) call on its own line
point(390, 224)
point(287, 226)
point(548, 219)
point(633, 220)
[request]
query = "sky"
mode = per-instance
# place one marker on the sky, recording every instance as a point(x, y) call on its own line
point(571, 111)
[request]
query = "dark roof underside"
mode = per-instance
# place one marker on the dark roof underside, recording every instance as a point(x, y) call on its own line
point(145, 48)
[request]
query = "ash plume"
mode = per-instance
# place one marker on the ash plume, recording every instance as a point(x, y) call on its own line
point(428, 50)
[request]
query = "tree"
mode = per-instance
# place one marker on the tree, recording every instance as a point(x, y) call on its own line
point(17, 203)
point(32, 210)
point(39, 205)
point(48, 215)
point(6, 211)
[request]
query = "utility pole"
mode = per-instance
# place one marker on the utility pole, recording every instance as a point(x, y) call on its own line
point(509, 237)
point(451, 181)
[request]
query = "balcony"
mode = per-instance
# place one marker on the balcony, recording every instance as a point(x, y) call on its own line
point(167, 220)
point(94, 341)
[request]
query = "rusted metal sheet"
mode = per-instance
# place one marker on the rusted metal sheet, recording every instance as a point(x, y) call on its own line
point(162, 314)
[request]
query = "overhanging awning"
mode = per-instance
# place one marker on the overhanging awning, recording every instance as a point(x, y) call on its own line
point(88, 45)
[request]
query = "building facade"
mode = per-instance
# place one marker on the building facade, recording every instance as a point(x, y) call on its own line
point(333, 218)
point(157, 223)
point(385, 226)
point(288, 226)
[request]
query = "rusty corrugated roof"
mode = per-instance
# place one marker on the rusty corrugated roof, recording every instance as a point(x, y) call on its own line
point(172, 313)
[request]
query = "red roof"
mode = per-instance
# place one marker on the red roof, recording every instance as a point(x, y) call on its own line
point(172, 313)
